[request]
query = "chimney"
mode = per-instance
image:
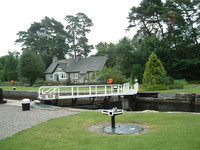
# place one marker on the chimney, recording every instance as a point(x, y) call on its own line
point(78, 57)
point(55, 59)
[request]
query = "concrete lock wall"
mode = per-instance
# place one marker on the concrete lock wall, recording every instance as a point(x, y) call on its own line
point(175, 99)
point(171, 102)
point(20, 94)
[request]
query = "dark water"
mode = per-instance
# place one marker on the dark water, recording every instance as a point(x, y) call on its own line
point(168, 107)
point(163, 107)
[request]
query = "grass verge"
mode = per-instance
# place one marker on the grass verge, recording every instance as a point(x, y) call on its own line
point(169, 131)
point(190, 88)
point(19, 88)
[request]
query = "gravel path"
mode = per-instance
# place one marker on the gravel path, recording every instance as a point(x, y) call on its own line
point(13, 119)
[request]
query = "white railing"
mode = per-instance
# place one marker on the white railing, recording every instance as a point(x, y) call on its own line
point(81, 91)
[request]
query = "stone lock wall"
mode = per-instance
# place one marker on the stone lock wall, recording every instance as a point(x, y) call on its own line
point(18, 95)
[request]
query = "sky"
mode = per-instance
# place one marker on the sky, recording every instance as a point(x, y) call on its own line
point(108, 16)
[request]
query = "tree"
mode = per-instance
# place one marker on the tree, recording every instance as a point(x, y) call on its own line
point(46, 38)
point(9, 64)
point(149, 18)
point(31, 66)
point(166, 19)
point(137, 72)
point(77, 28)
point(171, 29)
point(113, 73)
point(83, 46)
point(124, 50)
point(154, 72)
point(109, 50)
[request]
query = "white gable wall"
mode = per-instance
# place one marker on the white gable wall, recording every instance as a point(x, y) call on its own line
point(58, 75)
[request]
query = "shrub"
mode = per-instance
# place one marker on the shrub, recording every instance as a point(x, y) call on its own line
point(167, 80)
point(40, 81)
point(154, 72)
point(113, 73)
point(179, 84)
point(155, 87)
point(194, 82)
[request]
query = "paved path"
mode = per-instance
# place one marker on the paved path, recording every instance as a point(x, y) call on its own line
point(13, 119)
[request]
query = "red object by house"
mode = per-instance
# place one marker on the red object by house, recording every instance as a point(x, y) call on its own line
point(110, 81)
point(12, 81)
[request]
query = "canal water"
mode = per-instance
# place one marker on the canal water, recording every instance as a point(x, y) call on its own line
point(168, 107)
point(140, 106)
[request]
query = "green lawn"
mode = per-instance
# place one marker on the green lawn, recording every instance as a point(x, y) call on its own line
point(190, 88)
point(20, 88)
point(169, 131)
point(23, 88)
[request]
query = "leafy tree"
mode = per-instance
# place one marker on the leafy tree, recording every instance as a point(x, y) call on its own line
point(137, 72)
point(166, 19)
point(149, 18)
point(171, 30)
point(77, 28)
point(113, 73)
point(102, 49)
point(109, 50)
point(46, 38)
point(31, 66)
point(125, 57)
point(154, 72)
point(8, 67)
point(83, 46)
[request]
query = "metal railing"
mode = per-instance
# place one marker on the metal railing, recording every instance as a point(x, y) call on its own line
point(82, 91)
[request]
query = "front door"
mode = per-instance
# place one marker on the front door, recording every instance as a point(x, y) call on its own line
point(56, 77)
point(82, 78)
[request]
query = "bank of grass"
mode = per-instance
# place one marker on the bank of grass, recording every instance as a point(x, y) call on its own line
point(23, 88)
point(20, 88)
point(190, 88)
point(168, 131)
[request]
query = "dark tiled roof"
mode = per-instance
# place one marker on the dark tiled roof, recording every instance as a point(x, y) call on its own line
point(81, 65)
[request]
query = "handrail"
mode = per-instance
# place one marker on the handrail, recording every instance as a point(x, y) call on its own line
point(78, 91)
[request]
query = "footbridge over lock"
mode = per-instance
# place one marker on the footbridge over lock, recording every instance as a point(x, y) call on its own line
point(86, 91)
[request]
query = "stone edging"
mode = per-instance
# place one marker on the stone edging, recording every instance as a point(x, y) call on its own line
point(20, 94)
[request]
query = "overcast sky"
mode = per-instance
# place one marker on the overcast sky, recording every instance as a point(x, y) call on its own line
point(109, 18)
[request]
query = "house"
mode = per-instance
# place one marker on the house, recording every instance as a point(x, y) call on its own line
point(80, 70)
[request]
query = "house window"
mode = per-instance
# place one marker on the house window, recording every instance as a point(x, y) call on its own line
point(63, 76)
point(59, 75)
point(75, 75)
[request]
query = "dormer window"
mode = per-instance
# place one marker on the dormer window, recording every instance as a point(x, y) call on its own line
point(59, 68)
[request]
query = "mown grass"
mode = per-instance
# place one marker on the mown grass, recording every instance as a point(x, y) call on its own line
point(168, 131)
point(20, 88)
point(190, 88)
point(23, 88)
